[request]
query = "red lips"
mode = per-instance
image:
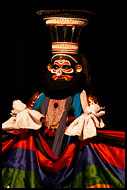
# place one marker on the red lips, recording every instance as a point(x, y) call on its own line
point(66, 77)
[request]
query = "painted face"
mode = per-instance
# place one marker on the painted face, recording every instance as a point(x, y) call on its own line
point(62, 69)
point(63, 76)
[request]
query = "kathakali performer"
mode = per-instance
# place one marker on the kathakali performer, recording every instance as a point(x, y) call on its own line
point(59, 138)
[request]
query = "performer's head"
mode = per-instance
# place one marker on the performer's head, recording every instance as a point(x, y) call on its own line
point(65, 73)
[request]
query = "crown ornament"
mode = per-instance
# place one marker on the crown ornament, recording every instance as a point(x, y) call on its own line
point(65, 27)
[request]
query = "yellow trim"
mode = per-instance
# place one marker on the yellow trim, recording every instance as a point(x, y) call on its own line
point(101, 186)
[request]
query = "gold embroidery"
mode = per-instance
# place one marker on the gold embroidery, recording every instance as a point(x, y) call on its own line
point(92, 100)
point(53, 114)
point(32, 100)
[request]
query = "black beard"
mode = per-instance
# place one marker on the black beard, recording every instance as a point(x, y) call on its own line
point(60, 88)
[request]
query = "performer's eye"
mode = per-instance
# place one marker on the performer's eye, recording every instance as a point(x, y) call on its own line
point(55, 67)
point(66, 67)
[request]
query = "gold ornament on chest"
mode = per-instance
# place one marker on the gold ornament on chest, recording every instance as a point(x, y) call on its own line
point(54, 113)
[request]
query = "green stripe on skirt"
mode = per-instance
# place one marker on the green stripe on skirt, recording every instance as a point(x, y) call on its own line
point(16, 178)
point(92, 175)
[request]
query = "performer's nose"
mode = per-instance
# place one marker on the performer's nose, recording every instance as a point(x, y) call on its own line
point(59, 72)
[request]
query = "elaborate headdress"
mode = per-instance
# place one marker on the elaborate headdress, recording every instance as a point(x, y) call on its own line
point(65, 27)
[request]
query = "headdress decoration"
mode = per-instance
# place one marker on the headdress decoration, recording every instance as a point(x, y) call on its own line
point(65, 27)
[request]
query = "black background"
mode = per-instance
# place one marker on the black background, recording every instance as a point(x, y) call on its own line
point(26, 47)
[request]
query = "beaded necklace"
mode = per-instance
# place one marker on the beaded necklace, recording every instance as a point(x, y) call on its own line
point(59, 133)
